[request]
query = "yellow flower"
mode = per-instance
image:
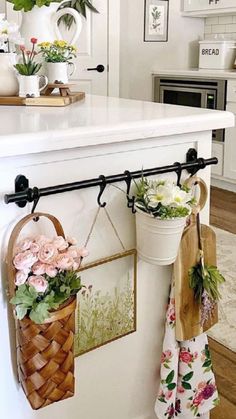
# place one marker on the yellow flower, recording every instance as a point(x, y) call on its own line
point(73, 48)
point(60, 43)
point(44, 44)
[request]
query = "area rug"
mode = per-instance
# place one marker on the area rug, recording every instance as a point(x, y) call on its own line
point(225, 331)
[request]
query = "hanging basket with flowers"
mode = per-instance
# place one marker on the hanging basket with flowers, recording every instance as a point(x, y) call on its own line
point(162, 209)
point(43, 283)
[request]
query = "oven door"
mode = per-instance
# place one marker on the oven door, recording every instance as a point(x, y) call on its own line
point(186, 96)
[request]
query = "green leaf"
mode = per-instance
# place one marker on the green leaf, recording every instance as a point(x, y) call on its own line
point(40, 313)
point(21, 311)
point(170, 377)
point(188, 376)
point(207, 363)
point(186, 386)
point(171, 386)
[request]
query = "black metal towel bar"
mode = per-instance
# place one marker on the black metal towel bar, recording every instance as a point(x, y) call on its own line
point(27, 194)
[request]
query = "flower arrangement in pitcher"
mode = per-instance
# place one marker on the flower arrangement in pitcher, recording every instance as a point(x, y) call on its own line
point(28, 66)
point(163, 198)
point(46, 275)
point(58, 51)
point(9, 34)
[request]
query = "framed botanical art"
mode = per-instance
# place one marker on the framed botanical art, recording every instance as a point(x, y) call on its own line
point(156, 16)
point(106, 308)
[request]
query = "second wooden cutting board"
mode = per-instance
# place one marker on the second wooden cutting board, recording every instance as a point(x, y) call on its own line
point(188, 313)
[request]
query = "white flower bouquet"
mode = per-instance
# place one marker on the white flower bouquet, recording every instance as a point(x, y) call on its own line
point(9, 34)
point(163, 198)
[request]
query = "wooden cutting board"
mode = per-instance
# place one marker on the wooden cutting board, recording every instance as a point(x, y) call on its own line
point(188, 312)
point(52, 100)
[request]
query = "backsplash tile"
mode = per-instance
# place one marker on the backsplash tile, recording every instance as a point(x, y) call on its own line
point(220, 27)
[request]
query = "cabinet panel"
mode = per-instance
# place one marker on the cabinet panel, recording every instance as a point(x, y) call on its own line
point(218, 151)
point(209, 7)
point(230, 148)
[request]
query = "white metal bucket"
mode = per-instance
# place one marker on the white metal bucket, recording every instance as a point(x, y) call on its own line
point(158, 240)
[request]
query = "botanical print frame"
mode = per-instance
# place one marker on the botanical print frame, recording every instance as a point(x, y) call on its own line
point(106, 308)
point(156, 15)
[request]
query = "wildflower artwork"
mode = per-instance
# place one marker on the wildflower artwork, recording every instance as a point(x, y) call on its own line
point(156, 20)
point(107, 304)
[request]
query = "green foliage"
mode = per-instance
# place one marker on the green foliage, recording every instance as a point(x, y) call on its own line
point(104, 317)
point(37, 305)
point(27, 5)
point(207, 278)
point(81, 7)
point(28, 69)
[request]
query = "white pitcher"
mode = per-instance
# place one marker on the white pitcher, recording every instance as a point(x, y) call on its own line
point(42, 23)
point(8, 80)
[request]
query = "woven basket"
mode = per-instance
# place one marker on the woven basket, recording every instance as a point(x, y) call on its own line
point(45, 356)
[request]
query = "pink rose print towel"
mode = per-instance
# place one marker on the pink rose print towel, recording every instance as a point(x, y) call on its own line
point(187, 388)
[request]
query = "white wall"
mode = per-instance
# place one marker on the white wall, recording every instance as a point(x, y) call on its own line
point(2, 6)
point(138, 58)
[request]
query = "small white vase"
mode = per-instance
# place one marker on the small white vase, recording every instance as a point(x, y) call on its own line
point(59, 72)
point(158, 240)
point(30, 86)
point(42, 23)
point(8, 79)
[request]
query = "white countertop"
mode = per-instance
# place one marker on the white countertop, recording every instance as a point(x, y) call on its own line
point(99, 120)
point(196, 72)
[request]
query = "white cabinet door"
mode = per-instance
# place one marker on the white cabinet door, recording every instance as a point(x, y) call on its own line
point(209, 5)
point(195, 5)
point(230, 148)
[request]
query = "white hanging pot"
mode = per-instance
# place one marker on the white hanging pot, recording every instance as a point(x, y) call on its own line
point(158, 240)
point(8, 80)
point(42, 23)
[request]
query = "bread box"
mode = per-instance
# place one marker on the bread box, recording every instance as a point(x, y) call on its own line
point(218, 55)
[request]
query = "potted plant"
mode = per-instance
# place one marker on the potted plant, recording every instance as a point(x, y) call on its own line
point(8, 36)
point(58, 56)
point(162, 209)
point(29, 81)
point(43, 283)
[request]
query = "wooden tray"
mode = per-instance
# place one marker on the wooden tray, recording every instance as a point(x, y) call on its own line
point(52, 100)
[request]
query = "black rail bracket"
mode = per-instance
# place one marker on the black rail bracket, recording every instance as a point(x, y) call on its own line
point(21, 185)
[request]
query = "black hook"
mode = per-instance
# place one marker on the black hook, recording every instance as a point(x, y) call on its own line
point(35, 198)
point(130, 201)
point(102, 188)
point(178, 171)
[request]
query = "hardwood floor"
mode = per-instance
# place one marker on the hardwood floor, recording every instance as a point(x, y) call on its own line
point(223, 215)
point(223, 209)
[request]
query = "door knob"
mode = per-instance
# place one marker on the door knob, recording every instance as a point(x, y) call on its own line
point(100, 68)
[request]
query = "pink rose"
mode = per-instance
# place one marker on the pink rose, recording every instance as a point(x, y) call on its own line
point(71, 240)
point(83, 252)
point(201, 385)
point(60, 243)
point(39, 268)
point(198, 399)
point(180, 389)
point(21, 277)
point(75, 266)
point(51, 271)
point(172, 315)
point(38, 283)
point(24, 244)
point(195, 355)
point(186, 357)
point(169, 395)
point(34, 248)
point(47, 253)
point(24, 261)
point(73, 252)
point(64, 262)
point(41, 239)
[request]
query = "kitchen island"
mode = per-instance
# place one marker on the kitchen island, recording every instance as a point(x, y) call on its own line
point(53, 146)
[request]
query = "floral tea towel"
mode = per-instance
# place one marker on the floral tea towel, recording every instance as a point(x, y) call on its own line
point(187, 388)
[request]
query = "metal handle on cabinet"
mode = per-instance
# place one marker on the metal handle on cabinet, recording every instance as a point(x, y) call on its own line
point(100, 68)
